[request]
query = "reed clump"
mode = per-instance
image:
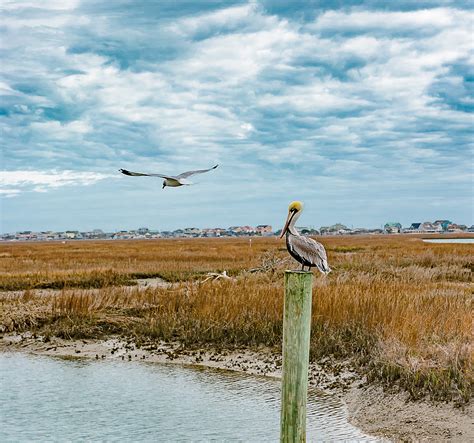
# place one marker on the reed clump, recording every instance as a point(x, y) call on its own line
point(399, 309)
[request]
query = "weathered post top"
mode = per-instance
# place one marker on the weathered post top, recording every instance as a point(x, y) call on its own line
point(296, 338)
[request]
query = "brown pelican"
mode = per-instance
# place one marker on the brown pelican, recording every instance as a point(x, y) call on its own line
point(304, 250)
point(171, 180)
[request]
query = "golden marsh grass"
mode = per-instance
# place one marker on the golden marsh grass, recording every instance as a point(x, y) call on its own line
point(398, 308)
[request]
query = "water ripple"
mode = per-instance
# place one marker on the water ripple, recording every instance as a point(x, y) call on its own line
point(52, 399)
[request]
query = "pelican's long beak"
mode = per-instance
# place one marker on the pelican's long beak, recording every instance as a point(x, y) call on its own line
point(288, 220)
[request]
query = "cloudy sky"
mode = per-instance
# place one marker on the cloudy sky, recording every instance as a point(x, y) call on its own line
point(362, 110)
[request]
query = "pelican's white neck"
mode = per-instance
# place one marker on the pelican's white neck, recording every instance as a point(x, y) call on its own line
point(291, 225)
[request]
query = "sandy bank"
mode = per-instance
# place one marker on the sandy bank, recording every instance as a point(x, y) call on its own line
point(141, 284)
point(370, 408)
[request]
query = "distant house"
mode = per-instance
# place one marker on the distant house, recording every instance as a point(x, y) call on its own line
point(264, 230)
point(453, 227)
point(213, 232)
point(392, 228)
point(414, 227)
point(248, 229)
point(95, 234)
point(376, 231)
point(427, 227)
point(356, 231)
point(243, 230)
point(443, 223)
point(121, 235)
point(193, 232)
point(73, 235)
point(337, 228)
point(430, 227)
point(308, 231)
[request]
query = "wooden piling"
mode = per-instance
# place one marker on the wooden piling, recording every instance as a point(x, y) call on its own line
point(296, 336)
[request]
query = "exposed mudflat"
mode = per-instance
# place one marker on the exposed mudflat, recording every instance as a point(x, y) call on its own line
point(399, 419)
point(141, 284)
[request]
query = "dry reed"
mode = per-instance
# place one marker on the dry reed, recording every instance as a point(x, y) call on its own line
point(398, 308)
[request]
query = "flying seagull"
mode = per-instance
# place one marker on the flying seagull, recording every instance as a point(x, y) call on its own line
point(303, 249)
point(170, 180)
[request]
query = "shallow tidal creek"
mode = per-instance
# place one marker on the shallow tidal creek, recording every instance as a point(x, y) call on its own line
point(44, 398)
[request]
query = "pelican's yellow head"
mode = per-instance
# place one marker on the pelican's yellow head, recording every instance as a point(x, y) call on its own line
point(295, 206)
point(294, 211)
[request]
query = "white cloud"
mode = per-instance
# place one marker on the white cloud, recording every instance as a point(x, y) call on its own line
point(231, 18)
point(9, 192)
point(357, 91)
point(433, 19)
point(314, 98)
point(9, 5)
point(42, 181)
point(54, 130)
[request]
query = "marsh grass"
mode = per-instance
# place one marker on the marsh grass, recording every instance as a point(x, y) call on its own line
point(85, 280)
point(399, 309)
point(101, 264)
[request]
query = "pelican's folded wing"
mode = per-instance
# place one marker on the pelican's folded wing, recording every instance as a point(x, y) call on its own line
point(139, 174)
point(312, 251)
point(198, 171)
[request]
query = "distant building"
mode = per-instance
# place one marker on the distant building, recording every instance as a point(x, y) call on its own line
point(453, 227)
point(443, 223)
point(242, 230)
point(438, 226)
point(73, 235)
point(430, 227)
point(414, 228)
point(308, 231)
point(95, 234)
point(213, 232)
point(264, 230)
point(121, 235)
point(338, 228)
point(376, 231)
point(192, 232)
point(392, 228)
point(356, 231)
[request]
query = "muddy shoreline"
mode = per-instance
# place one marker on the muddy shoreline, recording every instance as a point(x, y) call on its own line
point(388, 415)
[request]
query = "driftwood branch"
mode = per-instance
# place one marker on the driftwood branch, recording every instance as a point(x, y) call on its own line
point(271, 262)
point(217, 276)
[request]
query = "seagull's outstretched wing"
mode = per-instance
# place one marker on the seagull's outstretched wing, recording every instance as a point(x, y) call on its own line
point(199, 171)
point(139, 174)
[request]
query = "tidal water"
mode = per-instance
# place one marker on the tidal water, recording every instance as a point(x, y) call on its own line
point(44, 398)
point(449, 240)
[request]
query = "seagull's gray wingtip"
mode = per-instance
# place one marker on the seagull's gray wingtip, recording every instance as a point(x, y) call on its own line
point(215, 166)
